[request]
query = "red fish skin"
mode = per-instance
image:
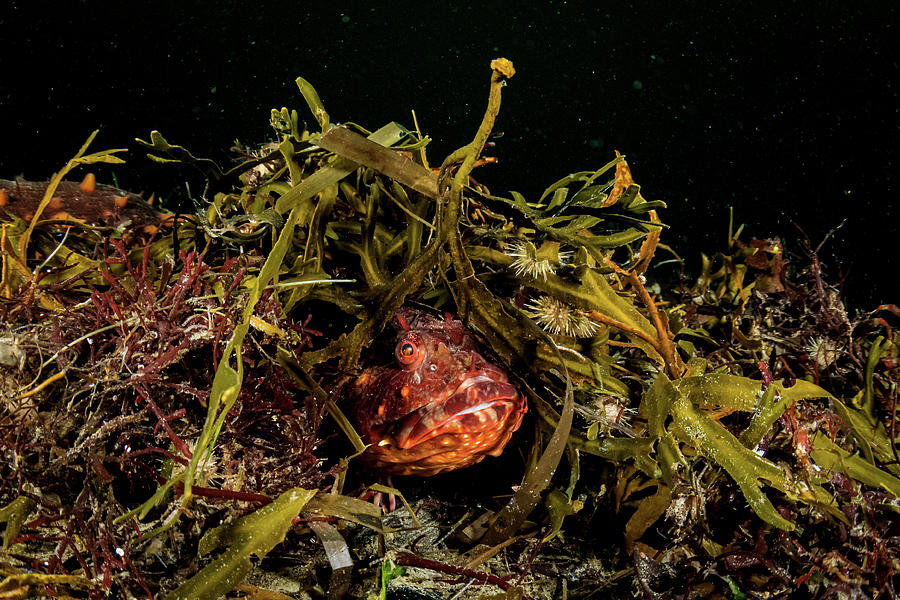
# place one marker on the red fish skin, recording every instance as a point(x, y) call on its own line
point(445, 408)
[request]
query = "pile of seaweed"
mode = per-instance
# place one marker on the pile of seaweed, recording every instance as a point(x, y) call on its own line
point(170, 425)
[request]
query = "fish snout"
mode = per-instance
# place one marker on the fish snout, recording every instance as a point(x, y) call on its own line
point(476, 414)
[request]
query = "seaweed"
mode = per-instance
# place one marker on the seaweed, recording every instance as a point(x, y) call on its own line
point(254, 534)
point(181, 396)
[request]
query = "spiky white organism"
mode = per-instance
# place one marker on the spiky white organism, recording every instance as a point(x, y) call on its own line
point(535, 262)
point(558, 317)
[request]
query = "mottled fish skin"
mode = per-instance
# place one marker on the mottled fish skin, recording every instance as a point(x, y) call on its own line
point(86, 202)
point(439, 406)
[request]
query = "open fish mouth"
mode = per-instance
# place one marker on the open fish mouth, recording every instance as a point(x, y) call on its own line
point(470, 419)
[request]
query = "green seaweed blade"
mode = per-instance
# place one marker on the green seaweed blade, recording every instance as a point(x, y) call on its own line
point(254, 534)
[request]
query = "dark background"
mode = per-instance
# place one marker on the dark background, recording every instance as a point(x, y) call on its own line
point(786, 111)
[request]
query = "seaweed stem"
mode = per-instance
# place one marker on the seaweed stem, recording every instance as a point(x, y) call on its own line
point(502, 69)
point(47, 382)
point(664, 345)
point(606, 320)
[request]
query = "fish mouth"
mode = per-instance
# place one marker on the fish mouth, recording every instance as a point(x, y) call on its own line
point(468, 420)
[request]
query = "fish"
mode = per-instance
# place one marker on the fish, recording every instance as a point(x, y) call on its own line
point(85, 202)
point(439, 405)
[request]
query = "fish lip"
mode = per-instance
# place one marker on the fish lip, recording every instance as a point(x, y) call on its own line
point(473, 380)
point(414, 428)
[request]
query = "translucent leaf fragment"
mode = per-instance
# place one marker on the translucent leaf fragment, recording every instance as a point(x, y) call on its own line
point(347, 508)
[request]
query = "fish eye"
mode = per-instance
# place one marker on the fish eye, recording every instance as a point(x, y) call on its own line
point(409, 354)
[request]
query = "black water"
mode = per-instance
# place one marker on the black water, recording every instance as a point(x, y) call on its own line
point(787, 111)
